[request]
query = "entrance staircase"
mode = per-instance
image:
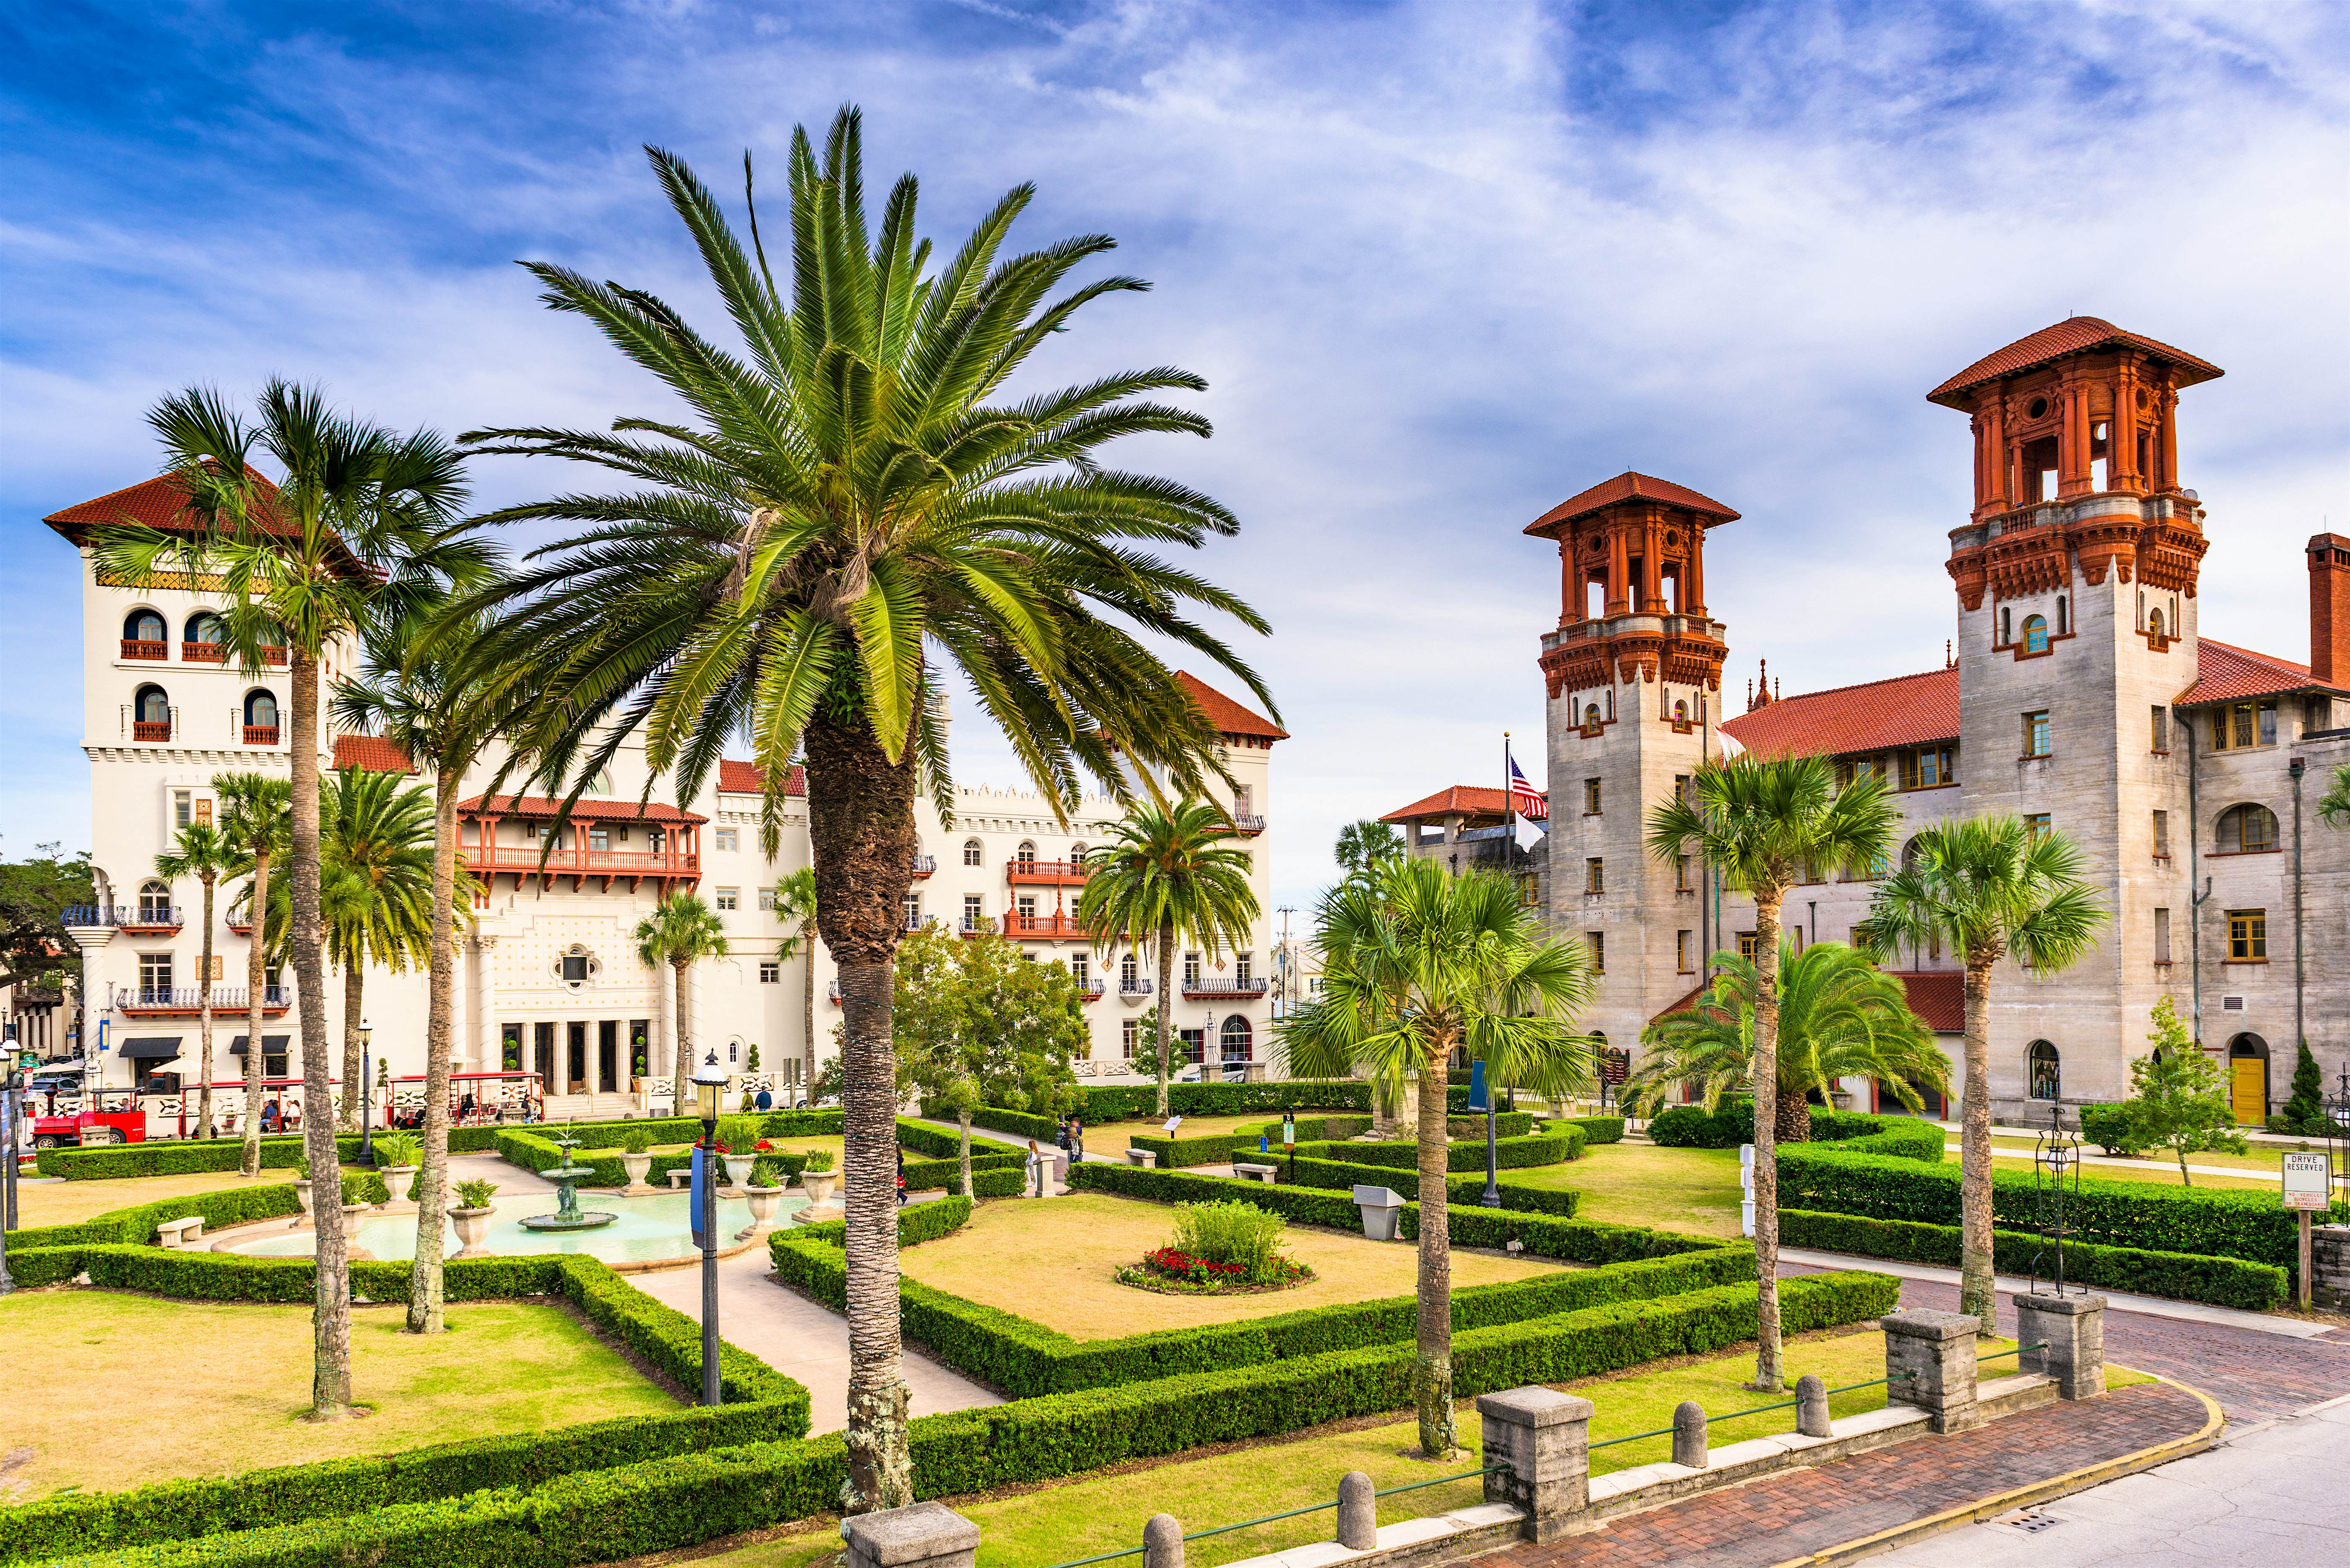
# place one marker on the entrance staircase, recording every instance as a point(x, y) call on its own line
point(590, 1107)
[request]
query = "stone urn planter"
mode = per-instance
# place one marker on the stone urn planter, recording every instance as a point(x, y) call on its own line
point(819, 1184)
point(351, 1209)
point(764, 1201)
point(396, 1181)
point(301, 1195)
point(637, 1165)
point(473, 1229)
point(738, 1167)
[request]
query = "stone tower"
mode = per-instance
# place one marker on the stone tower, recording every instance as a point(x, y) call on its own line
point(1633, 675)
point(2076, 631)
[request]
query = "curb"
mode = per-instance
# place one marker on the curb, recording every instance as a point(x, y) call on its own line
point(2038, 1491)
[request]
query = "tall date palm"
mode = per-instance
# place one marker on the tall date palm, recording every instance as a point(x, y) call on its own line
point(831, 516)
point(202, 851)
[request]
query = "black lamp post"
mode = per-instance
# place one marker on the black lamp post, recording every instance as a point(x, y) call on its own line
point(11, 1092)
point(367, 1093)
point(708, 1084)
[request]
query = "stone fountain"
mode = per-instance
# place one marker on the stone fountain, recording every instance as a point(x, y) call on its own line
point(568, 1215)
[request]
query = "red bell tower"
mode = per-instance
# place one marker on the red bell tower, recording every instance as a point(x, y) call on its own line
point(1632, 580)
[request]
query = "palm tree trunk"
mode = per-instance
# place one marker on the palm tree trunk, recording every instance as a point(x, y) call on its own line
point(353, 984)
point(1793, 1122)
point(1166, 1012)
point(1978, 1285)
point(964, 1117)
point(861, 834)
point(424, 1279)
point(1767, 1371)
point(681, 1045)
point(256, 971)
point(330, 1317)
point(1431, 1380)
point(204, 1024)
point(807, 1015)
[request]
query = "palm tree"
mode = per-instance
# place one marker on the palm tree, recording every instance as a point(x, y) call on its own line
point(1992, 888)
point(204, 852)
point(824, 520)
point(795, 909)
point(362, 527)
point(681, 929)
point(1172, 877)
point(1766, 825)
point(1839, 1017)
point(1416, 964)
point(444, 725)
point(256, 817)
point(2334, 805)
point(1362, 842)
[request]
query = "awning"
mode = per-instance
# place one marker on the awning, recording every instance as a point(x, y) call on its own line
point(152, 1050)
point(271, 1044)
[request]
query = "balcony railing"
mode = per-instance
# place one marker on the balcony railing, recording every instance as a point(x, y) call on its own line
point(191, 1000)
point(1052, 927)
point(581, 860)
point(125, 917)
point(1247, 825)
point(1094, 989)
point(143, 648)
point(261, 734)
point(1048, 873)
point(1141, 985)
point(150, 729)
point(925, 864)
point(202, 653)
point(1220, 985)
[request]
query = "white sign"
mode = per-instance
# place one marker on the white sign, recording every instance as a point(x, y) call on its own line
point(2308, 1180)
point(1172, 1122)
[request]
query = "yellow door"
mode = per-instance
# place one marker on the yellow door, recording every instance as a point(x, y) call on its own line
point(2251, 1090)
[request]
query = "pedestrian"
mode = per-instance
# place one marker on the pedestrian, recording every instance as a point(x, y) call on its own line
point(901, 1178)
point(1037, 1166)
point(1061, 1134)
point(465, 1109)
point(765, 1100)
point(1077, 1139)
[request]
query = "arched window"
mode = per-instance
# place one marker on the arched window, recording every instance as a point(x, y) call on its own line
point(154, 903)
point(150, 714)
point(1077, 854)
point(1129, 972)
point(2247, 830)
point(2043, 1071)
point(599, 782)
point(1591, 715)
point(2154, 625)
point(1681, 710)
point(2035, 633)
point(971, 851)
point(205, 628)
point(1909, 855)
point(1025, 854)
point(143, 633)
point(261, 710)
point(1238, 1039)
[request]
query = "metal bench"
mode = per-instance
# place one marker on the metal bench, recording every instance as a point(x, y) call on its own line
point(181, 1233)
point(1144, 1158)
point(1268, 1174)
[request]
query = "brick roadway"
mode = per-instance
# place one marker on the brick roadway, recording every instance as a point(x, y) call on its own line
point(2252, 1375)
point(1793, 1512)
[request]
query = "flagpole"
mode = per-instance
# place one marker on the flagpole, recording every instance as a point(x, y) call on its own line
point(1509, 799)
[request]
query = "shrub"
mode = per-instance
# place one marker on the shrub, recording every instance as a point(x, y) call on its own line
point(2183, 1276)
point(394, 1149)
point(1509, 1153)
point(766, 1172)
point(1237, 1233)
point(1459, 1190)
point(638, 1141)
point(177, 1157)
point(818, 1161)
point(476, 1194)
point(1597, 1130)
point(738, 1134)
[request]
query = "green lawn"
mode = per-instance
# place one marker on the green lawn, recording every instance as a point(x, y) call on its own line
point(1085, 1516)
point(1690, 1190)
point(209, 1388)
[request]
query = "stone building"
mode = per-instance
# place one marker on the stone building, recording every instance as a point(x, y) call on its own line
point(550, 986)
point(2080, 694)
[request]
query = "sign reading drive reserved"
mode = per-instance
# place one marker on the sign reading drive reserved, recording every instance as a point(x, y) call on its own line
point(2308, 1180)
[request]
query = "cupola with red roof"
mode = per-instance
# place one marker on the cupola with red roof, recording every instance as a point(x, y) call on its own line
point(1631, 578)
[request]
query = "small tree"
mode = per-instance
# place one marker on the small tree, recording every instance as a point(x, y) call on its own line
point(2181, 1099)
point(927, 1030)
point(2306, 1106)
point(204, 852)
point(1363, 844)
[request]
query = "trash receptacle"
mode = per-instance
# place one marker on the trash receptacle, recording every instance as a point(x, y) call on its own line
point(1381, 1208)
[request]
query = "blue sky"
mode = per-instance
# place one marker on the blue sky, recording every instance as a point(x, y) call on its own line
point(1441, 265)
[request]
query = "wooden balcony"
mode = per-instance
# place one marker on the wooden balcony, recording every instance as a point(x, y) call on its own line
point(1045, 873)
point(260, 735)
point(140, 647)
point(1048, 928)
point(580, 863)
point(150, 729)
point(202, 653)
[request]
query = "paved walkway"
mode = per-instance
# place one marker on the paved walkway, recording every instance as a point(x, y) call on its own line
point(1791, 1512)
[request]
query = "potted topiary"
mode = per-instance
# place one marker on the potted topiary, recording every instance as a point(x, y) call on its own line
point(739, 1137)
point(472, 1219)
point(637, 1156)
point(766, 1190)
point(396, 1158)
point(816, 1176)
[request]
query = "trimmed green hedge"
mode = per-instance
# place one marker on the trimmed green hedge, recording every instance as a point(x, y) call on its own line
point(1468, 1154)
point(674, 1502)
point(532, 1148)
point(1459, 1190)
point(760, 1403)
point(176, 1156)
point(135, 1225)
point(1597, 1130)
point(2183, 1276)
point(1693, 1126)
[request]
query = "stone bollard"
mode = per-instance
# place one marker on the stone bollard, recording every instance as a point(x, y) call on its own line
point(1930, 1362)
point(1811, 1407)
point(1162, 1542)
point(1543, 1437)
point(924, 1535)
point(2073, 1328)
point(1688, 1434)
point(1359, 1512)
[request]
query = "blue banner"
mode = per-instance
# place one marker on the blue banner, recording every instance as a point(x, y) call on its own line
point(701, 1178)
point(1477, 1100)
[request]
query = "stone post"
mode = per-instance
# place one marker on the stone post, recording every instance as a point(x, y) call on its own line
point(1162, 1542)
point(1930, 1362)
point(1545, 1439)
point(1811, 1407)
point(2072, 1329)
point(922, 1535)
point(1358, 1513)
point(1688, 1434)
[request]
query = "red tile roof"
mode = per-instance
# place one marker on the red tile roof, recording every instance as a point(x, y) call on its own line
point(1685, 1004)
point(371, 754)
point(2076, 335)
point(1906, 711)
point(1938, 998)
point(1228, 715)
point(1465, 800)
point(2224, 673)
point(588, 810)
point(745, 778)
point(1630, 487)
point(161, 503)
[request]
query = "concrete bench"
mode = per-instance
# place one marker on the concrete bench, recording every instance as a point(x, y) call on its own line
point(682, 1177)
point(1268, 1174)
point(1147, 1158)
point(181, 1233)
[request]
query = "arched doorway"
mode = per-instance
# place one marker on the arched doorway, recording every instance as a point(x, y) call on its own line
point(2248, 1079)
point(1238, 1040)
point(2044, 1072)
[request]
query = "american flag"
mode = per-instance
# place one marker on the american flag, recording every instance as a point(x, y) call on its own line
point(1527, 800)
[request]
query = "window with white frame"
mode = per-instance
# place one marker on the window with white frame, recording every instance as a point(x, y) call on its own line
point(729, 838)
point(770, 974)
point(729, 898)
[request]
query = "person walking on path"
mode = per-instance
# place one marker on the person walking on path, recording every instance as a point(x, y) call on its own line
point(1077, 1140)
point(1037, 1166)
point(901, 1178)
point(765, 1101)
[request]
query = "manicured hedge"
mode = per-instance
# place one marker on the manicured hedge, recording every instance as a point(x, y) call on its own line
point(534, 1150)
point(136, 1225)
point(176, 1156)
point(1459, 1190)
point(1597, 1130)
point(1468, 1154)
point(658, 1506)
point(1691, 1126)
point(2183, 1276)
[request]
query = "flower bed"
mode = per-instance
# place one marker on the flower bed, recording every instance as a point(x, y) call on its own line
point(1173, 1273)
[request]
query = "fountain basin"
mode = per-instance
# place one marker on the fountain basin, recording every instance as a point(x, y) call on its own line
point(652, 1230)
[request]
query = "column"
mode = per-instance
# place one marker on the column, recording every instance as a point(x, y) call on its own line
point(1570, 594)
point(2121, 431)
point(2072, 439)
point(1930, 1362)
point(1652, 567)
point(1619, 570)
point(1694, 587)
point(1993, 496)
point(487, 1053)
point(665, 1024)
point(1545, 1439)
point(2166, 435)
point(2071, 1331)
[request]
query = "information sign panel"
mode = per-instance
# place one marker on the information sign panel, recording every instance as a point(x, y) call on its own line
point(2308, 1178)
